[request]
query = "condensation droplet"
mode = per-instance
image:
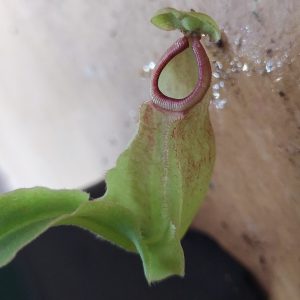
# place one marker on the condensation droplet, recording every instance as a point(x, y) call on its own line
point(258, 61)
point(269, 66)
point(219, 103)
point(239, 65)
point(245, 68)
point(216, 95)
point(284, 57)
point(246, 29)
point(237, 41)
point(149, 67)
point(219, 65)
point(216, 75)
point(248, 58)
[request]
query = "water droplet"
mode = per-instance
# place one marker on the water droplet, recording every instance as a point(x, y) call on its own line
point(219, 65)
point(149, 67)
point(222, 84)
point(216, 86)
point(269, 66)
point(216, 95)
point(146, 68)
point(245, 68)
point(219, 103)
point(239, 65)
point(237, 41)
point(247, 29)
point(216, 75)
point(278, 79)
point(284, 57)
point(152, 65)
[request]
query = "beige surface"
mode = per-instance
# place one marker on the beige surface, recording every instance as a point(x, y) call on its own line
point(71, 79)
point(253, 208)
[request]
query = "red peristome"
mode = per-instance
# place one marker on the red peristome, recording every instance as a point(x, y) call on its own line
point(204, 76)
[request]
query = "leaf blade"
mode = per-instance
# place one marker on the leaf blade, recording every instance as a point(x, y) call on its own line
point(27, 213)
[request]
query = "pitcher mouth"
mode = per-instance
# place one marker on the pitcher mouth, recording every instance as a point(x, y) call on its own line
point(204, 76)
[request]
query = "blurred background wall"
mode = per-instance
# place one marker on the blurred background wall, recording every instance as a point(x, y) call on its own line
point(73, 73)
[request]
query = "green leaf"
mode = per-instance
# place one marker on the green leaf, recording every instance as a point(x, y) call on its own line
point(203, 24)
point(167, 19)
point(187, 22)
point(26, 213)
